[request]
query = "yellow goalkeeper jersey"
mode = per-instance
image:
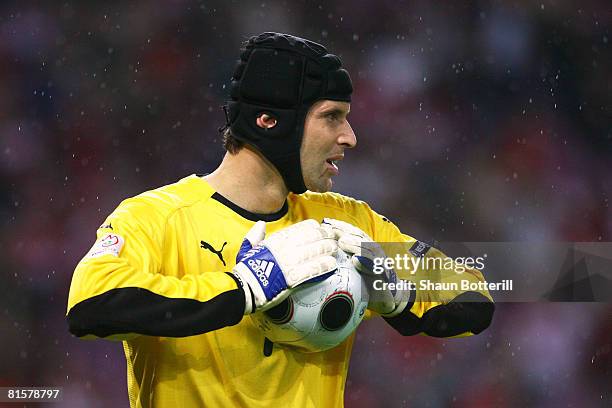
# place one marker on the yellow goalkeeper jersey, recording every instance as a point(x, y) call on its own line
point(157, 279)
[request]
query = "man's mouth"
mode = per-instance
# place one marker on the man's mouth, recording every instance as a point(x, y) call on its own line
point(332, 163)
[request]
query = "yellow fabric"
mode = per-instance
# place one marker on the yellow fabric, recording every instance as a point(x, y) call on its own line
point(162, 230)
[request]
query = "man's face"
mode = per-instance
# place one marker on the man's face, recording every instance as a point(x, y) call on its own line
point(326, 134)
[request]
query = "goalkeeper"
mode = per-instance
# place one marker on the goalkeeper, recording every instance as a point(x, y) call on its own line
point(175, 272)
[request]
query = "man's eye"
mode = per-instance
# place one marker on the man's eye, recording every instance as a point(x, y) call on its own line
point(332, 117)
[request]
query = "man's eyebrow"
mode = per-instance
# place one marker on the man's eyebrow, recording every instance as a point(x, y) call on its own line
point(336, 111)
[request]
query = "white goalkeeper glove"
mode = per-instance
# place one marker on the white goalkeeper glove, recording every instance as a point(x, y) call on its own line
point(384, 301)
point(269, 268)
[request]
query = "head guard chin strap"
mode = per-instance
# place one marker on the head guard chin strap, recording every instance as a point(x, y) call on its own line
point(282, 76)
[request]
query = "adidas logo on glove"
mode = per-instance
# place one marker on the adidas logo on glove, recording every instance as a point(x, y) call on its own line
point(262, 269)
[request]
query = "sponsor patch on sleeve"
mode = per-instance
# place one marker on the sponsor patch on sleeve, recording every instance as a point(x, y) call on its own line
point(110, 244)
point(419, 248)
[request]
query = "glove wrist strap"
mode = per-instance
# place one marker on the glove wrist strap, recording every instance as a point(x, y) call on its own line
point(249, 296)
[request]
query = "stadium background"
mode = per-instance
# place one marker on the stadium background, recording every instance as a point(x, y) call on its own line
point(475, 122)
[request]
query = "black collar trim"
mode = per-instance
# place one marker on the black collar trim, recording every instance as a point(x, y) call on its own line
point(249, 215)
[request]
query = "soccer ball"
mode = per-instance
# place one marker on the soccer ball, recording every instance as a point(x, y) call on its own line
point(318, 316)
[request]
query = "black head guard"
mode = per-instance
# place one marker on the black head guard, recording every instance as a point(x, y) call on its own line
point(282, 76)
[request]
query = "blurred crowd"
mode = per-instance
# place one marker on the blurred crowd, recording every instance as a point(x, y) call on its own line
point(475, 121)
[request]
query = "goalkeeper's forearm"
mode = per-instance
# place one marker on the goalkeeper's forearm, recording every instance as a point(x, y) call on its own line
point(165, 308)
point(467, 314)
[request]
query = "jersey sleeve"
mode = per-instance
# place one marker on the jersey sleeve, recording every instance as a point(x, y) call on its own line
point(119, 291)
point(439, 305)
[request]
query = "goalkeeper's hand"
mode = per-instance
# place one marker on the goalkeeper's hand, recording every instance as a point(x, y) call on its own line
point(269, 268)
point(353, 240)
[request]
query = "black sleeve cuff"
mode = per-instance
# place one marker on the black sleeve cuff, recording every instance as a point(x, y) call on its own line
point(140, 311)
point(469, 312)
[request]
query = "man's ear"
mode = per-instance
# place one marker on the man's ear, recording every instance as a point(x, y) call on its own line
point(266, 121)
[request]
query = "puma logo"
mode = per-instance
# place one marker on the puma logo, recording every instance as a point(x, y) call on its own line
point(206, 245)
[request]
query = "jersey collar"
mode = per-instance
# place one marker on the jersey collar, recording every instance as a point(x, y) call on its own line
point(250, 215)
point(237, 209)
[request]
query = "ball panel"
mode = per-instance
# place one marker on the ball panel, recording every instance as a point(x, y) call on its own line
point(282, 313)
point(336, 311)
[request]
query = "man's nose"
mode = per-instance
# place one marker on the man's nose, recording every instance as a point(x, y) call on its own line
point(347, 137)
